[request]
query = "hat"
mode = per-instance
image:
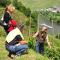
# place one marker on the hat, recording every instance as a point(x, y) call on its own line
point(46, 26)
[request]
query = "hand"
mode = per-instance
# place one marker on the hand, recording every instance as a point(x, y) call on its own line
point(23, 42)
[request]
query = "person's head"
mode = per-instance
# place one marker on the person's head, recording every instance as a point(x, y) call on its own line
point(44, 29)
point(10, 8)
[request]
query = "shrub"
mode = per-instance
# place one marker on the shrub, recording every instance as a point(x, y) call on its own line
point(51, 16)
point(27, 22)
point(4, 2)
point(34, 17)
point(22, 8)
point(27, 12)
point(53, 53)
point(31, 43)
point(58, 36)
point(2, 32)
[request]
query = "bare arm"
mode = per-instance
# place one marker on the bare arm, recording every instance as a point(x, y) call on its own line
point(47, 40)
point(35, 34)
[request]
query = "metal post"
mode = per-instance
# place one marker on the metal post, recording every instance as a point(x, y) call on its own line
point(30, 27)
point(53, 31)
point(38, 23)
point(53, 27)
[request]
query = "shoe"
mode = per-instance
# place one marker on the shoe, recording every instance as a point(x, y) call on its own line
point(10, 56)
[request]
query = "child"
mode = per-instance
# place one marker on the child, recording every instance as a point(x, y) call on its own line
point(41, 37)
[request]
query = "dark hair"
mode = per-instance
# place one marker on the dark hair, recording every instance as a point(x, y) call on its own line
point(6, 8)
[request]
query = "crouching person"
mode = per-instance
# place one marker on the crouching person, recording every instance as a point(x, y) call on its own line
point(15, 43)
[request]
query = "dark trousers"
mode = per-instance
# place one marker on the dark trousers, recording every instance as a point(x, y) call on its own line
point(39, 47)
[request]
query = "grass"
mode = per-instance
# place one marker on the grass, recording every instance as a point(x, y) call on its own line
point(38, 4)
point(3, 52)
point(30, 56)
point(20, 17)
point(54, 41)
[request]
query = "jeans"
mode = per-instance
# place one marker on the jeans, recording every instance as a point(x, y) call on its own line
point(17, 49)
point(39, 47)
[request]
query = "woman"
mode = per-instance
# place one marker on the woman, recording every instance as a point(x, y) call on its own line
point(41, 37)
point(7, 17)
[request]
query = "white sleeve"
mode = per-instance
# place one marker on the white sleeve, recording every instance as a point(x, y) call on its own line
point(13, 34)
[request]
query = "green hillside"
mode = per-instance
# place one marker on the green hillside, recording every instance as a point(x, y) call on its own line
point(50, 54)
point(21, 18)
point(38, 4)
